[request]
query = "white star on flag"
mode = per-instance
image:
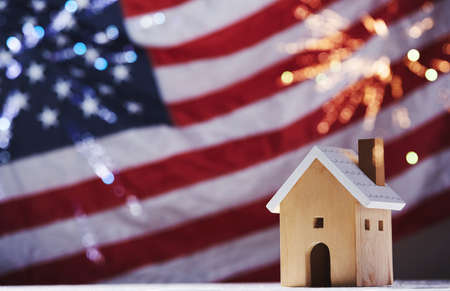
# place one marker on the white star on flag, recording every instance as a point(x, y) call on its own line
point(62, 89)
point(35, 72)
point(105, 89)
point(48, 117)
point(89, 106)
point(5, 58)
point(91, 55)
point(61, 40)
point(18, 101)
point(133, 107)
point(38, 5)
point(120, 73)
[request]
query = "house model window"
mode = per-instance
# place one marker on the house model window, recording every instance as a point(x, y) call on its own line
point(318, 222)
point(366, 224)
point(380, 225)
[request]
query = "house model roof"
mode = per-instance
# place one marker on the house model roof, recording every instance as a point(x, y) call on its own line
point(342, 164)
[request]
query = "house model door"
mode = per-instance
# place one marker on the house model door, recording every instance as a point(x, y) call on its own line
point(320, 266)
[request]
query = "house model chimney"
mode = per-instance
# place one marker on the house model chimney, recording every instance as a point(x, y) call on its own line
point(371, 159)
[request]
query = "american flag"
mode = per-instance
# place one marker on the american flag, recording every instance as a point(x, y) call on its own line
point(140, 141)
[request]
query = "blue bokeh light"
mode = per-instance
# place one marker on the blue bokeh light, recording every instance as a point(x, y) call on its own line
point(13, 43)
point(130, 57)
point(112, 32)
point(71, 6)
point(159, 18)
point(100, 64)
point(108, 179)
point(14, 70)
point(40, 31)
point(79, 48)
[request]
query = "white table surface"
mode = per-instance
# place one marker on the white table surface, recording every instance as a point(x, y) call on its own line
point(403, 285)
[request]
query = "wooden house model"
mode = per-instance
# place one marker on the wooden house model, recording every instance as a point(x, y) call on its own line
point(335, 218)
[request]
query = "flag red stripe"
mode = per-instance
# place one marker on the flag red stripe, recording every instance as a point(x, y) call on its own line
point(267, 82)
point(187, 168)
point(222, 226)
point(269, 273)
point(137, 7)
point(427, 212)
point(244, 33)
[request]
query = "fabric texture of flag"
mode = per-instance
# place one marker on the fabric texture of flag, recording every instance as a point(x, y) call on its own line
point(141, 140)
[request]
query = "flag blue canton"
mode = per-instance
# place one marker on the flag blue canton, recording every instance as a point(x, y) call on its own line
point(71, 72)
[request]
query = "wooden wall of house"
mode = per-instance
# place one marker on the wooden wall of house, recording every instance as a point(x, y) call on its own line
point(374, 247)
point(318, 194)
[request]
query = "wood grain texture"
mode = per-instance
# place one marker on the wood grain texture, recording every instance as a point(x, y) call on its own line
point(373, 247)
point(371, 159)
point(317, 193)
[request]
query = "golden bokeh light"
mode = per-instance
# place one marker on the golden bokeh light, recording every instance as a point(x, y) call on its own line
point(370, 94)
point(414, 31)
point(287, 77)
point(301, 12)
point(380, 27)
point(441, 65)
point(368, 22)
point(323, 127)
point(345, 114)
point(413, 55)
point(417, 68)
point(418, 28)
point(431, 75)
point(412, 158)
point(427, 23)
point(382, 68)
point(396, 87)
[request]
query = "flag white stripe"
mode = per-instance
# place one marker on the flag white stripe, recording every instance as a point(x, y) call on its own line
point(18, 178)
point(163, 211)
point(206, 75)
point(211, 264)
point(183, 22)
